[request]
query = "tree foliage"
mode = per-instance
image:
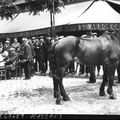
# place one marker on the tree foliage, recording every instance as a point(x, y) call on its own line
point(41, 5)
point(8, 9)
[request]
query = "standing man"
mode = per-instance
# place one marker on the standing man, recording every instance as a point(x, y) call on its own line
point(32, 60)
point(27, 52)
point(42, 56)
point(37, 55)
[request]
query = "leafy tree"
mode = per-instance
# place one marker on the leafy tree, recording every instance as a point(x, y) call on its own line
point(9, 10)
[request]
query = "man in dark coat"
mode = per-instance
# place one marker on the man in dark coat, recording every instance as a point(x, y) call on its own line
point(32, 60)
point(28, 56)
point(42, 52)
point(37, 55)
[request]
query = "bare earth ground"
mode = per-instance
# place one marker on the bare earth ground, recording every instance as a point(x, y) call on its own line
point(35, 96)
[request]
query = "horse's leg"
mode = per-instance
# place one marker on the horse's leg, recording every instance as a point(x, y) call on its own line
point(60, 81)
point(62, 90)
point(105, 79)
point(57, 95)
point(112, 69)
point(56, 87)
point(118, 72)
point(92, 78)
point(56, 79)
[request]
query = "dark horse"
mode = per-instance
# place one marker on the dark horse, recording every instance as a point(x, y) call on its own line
point(104, 50)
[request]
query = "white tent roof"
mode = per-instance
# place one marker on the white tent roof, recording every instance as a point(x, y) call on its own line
point(99, 12)
point(26, 22)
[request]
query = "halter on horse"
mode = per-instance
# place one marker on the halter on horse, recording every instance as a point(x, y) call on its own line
point(104, 50)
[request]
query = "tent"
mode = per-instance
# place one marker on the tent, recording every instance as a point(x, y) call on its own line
point(25, 24)
point(100, 15)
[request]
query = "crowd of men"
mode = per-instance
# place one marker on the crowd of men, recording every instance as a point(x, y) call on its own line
point(31, 54)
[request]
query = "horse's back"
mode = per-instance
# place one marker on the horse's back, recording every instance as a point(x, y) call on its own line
point(66, 43)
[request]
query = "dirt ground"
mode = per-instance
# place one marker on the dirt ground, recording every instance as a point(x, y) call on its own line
point(35, 96)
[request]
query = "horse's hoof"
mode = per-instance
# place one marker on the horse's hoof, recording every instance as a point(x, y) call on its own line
point(59, 102)
point(112, 97)
point(91, 81)
point(66, 98)
point(102, 93)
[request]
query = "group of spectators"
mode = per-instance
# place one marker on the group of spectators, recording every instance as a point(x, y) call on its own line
point(31, 54)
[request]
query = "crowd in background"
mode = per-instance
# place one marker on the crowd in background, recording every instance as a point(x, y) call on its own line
point(32, 53)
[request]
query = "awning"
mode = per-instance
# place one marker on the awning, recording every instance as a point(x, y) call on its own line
point(100, 16)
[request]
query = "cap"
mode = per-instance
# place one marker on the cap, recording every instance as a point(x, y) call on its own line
point(8, 39)
point(24, 39)
point(33, 37)
point(41, 37)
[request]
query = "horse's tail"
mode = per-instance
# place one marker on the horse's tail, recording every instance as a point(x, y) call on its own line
point(52, 59)
point(77, 46)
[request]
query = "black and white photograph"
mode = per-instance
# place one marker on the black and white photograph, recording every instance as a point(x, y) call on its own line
point(60, 59)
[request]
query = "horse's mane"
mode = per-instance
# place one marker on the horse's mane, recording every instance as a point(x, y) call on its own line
point(88, 38)
point(112, 37)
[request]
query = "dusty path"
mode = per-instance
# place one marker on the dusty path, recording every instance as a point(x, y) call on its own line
point(35, 96)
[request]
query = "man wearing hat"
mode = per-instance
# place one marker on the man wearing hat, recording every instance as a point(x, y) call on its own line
point(42, 52)
point(33, 54)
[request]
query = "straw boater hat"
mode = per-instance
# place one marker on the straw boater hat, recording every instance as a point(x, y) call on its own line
point(60, 37)
point(7, 41)
point(84, 36)
point(12, 49)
